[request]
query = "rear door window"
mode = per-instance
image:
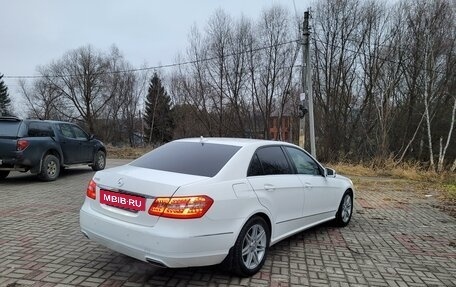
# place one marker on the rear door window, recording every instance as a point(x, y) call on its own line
point(203, 159)
point(255, 167)
point(40, 129)
point(272, 160)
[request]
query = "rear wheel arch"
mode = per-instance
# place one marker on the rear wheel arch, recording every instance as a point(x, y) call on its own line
point(55, 153)
point(261, 214)
point(266, 218)
point(237, 256)
point(51, 151)
point(50, 167)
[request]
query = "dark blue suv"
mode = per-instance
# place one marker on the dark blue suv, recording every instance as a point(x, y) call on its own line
point(45, 147)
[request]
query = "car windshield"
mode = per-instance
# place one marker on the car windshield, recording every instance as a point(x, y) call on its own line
point(9, 128)
point(204, 159)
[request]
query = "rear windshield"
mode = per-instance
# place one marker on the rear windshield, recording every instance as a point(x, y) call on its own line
point(9, 128)
point(188, 158)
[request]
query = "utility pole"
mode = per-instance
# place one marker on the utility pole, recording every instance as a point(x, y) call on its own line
point(307, 85)
point(302, 96)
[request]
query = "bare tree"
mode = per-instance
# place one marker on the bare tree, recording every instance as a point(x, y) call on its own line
point(96, 89)
point(217, 39)
point(430, 24)
point(380, 59)
point(193, 84)
point(443, 149)
point(236, 74)
point(383, 78)
point(78, 77)
point(337, 46)
point(44, 101)
point(124, 89)
point(272, 54)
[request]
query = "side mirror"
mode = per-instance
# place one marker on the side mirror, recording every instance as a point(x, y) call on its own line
point(91, 137)
point(329, 172)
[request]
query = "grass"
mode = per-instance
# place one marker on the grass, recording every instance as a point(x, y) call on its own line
point(450, 189)
point(401, 177)
point(404, 171)
point(126, 152)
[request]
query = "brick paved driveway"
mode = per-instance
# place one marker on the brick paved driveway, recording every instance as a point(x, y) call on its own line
point(395, 239)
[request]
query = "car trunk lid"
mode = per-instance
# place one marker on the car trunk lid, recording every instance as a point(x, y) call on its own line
point(138, 185)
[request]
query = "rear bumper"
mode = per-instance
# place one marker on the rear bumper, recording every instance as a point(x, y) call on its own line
point(168, 243)
point(16, 163)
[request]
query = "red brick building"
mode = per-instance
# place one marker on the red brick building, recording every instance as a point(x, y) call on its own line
point(283, 130)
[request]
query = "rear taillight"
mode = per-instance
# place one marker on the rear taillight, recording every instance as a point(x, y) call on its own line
point(181, 207)
point(92, 190)
point(22, 145)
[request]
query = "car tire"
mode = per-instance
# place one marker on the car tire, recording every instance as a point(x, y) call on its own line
point(99, 160)
point(249, 252)
point(4, 174)
point(345, 211)
point(50, 168)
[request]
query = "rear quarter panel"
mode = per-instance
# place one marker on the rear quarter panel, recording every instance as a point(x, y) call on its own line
point(38, 147)
point(230, 211)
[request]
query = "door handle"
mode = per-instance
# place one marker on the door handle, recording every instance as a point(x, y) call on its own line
point(269, 187)
point(307, 185)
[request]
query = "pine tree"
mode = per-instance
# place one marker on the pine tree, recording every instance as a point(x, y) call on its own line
point(5, 100)
point(158, 120)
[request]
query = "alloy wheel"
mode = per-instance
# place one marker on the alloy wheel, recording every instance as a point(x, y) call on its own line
point(254, 246)
point(346, 208)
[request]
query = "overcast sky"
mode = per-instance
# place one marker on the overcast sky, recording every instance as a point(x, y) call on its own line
point(33, 33)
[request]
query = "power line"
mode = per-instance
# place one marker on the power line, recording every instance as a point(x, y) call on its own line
point(228, 55)
point(159, 66)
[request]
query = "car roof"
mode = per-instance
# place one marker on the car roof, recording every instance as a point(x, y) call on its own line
point(242, 142)
point(46, 121)
point(16, 119)
point(10, 118)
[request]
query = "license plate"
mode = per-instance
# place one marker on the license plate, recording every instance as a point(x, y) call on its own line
point(122, 200)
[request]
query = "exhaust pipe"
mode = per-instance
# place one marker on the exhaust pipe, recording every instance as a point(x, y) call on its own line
point(85, 234)
point(156, 263)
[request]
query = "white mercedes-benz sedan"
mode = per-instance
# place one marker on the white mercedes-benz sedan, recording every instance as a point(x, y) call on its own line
point(205, 201)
